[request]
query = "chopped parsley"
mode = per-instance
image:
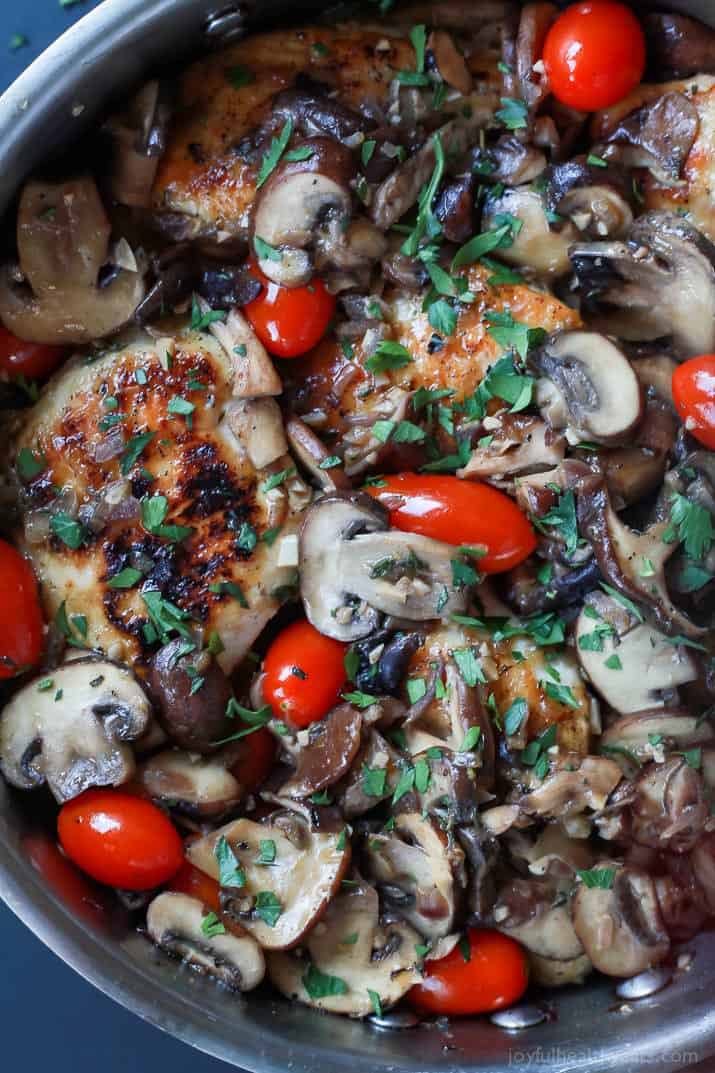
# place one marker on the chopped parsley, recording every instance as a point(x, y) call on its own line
point(427, 225)
point(211, 925)
point(692, 525)
point(277, 479)
point(230, 873)
point(200, 321)
point(468, 665)
point(274, 153)
point(597, 878)
point(238, 76)
point(133, 451)
point(388, 355)
point(30, 465)
point(267, 854)
point(320, 985)
point(71, 532)
point(471, 740)
point(515, 716)
point(268, 907)
point(265, 251)
point(562, 517)
point(513, 113)
point(373, 781)
point(125, 579)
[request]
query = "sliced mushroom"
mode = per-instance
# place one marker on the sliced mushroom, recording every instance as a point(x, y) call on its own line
point(669, 809)
point(449, 61)
point(75, 732)
point(257, 424)
point(658, 136)
point(564, 588)
point(674, 728)
point(376, 755)
point(353, 567)
point(592, 197)
point(660, 283)
point(314, 455)
point(536, 245)
point(596, 386)
point(254, 375)
point(574, 788)
point(455, 208)
point(196, 786)
point(417, 860)
point(624, 554)
point(621, 927)
point(299, 203)
point(631, 665)
point(316, 113)
point(678, 46)
point(58, 294)
point(176, 923)
point(400, 190)
point(520, 445)
point(381, 959)
point(139, 135)
point(556, 956)
point(332, 746)
point(306, 872)
point(194, 718)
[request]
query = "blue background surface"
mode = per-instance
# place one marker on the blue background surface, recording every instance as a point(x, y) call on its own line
point(50, 1016)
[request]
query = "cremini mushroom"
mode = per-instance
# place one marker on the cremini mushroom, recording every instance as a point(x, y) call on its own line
point(660, 283)
point(536, 244)
point(139, 137)
point(592, 197)
point(591, 384)
point(197, 787)
point(332, 745)
point(629, 663)
point(426, 869)
point(449, 61)
point(302, 875)
point(658, 136)
point(58, 293)
point(381, 958)
point(521, 444)
point(353, 568)
point(182, 927)
point(574, 787)
point(254, 374)
point(669, 809)
point(678, 46)
point(620, 926)
point(532, 912)
point(72, 729)
point(674, 728)
point(194, 718)
point(312, 453)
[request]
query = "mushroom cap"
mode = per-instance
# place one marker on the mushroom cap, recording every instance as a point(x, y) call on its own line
point(597, 385)
point(174, 922)
point(353, 567)
point(382, 958)
point(305, 875)
point(621, 928)
point(196, 786)
point(63, 243)
point(649, 663)
point(74, 733)
point(536, 246)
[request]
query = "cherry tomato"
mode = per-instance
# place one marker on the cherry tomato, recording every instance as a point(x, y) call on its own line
point(304, 674)
point(255, 759)
point(495, 976)
point(120, 839)
point(694, 397)
point(192, 881)
point(290, 321)
point(594, 54)
point(459, 512)
point(20, 613)
point(34, 361)
point(67, 882)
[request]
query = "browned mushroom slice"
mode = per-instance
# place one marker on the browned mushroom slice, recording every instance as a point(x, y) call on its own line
point(631, 665)
point(593, 198)
point(620, 926)
point(353, 567)
point(303, 204)
point(181, 926)
point(373, 777)
point(595, 384)
point(312, 453)
point(624, 556)
point(660, 283)
point(536, 245)
point(355, 952)
point(531, 912)
point(195, 786)
point(332, 745)
point(421, 874)
point(669, 809)
point(449, 61)
point(673, 727)
point(520, 445)
point(574, 788)
point(296, 884)
point(678, 46)
point(658, 136)
point(77, 733)
point(63, 244)
point(139, 135)
point(194, 718)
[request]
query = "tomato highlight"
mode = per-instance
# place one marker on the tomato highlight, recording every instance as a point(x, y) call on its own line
point(303, 674)
point(21, 622)
point(119, 839)
point(594, 54)
point(494, 976)
point(289, 321)
point(459, 512)
point(694, 397)
point(34, 361)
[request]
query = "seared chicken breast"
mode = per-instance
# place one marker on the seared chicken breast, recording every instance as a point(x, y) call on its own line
point(157, 515)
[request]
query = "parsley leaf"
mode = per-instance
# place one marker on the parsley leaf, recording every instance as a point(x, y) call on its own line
point(71, 532)
point(268, 907)
point(693, 525)
point(427, 223)
point(125, 579)
point(230, 873)
point(133, 451)
point(276, 479)
point(388, 355)
point(468, 666)
point(274, 153)
point(373, 781)
point(320, 985)
point(211, 925)
point(29, 465)
point(563, 518)
point(359, 699)
point(515, 715)
point(265, 251)
point(513, 113)
point(601, 878)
